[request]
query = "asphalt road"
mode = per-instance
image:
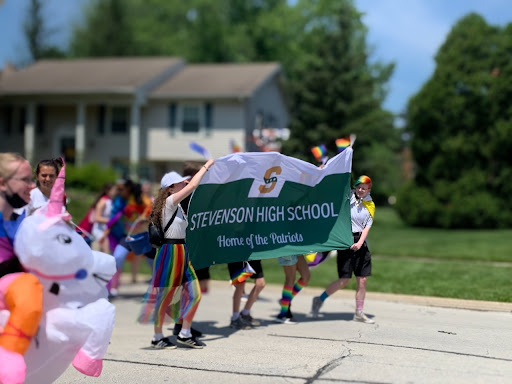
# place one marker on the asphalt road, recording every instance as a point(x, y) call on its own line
point(414, 340)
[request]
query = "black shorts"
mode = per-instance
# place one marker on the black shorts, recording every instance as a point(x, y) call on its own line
point(235, 267)
point(359, 262)
point(203, 273)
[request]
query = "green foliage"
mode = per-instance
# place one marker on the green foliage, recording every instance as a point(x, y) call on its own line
point(336, 92)
point(106, 31)
point(91, 177)
point(333, 88)
point(461, 125)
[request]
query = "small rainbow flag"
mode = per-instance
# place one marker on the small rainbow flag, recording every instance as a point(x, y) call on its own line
point(342, 143)
point(320, 152)
point(235, 147)
point(243, 274)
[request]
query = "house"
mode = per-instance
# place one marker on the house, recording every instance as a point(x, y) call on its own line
point(137, 113)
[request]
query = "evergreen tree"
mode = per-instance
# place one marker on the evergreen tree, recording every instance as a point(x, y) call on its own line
point(461, 125)
point(336, 92)
point(106, 31)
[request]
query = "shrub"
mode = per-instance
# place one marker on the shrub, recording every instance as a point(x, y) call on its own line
point(91, 177)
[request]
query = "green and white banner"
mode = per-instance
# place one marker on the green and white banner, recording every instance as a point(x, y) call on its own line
point(262, 205)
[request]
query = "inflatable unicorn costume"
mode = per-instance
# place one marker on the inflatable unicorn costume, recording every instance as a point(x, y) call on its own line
point(77, 319)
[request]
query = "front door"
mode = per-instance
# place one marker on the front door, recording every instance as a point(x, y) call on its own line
point(67, 148)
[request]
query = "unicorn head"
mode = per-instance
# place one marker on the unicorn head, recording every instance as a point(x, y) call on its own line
point(48, 246)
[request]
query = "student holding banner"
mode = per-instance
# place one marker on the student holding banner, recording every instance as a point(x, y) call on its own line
point(356, 259)
point(174, 289)
point(244, 320)
point(292, 264)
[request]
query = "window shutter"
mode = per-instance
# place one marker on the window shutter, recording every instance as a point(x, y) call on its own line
point(208, 115)
point(172, 117)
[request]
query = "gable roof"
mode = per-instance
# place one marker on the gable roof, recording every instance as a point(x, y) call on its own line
point(216, 80)
point(81, 76)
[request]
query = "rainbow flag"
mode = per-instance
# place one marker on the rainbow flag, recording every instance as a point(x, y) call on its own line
point(342, 143)
point(243, 274)
point(235, 147)
point(320, 152)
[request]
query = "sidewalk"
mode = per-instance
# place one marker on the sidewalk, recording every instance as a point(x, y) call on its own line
point(414, 340)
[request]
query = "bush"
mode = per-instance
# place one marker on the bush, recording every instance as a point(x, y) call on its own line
point(462, 204)
point(91, 177)
point(418, 206)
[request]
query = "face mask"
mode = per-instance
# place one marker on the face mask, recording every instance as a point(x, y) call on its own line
point(15, 200)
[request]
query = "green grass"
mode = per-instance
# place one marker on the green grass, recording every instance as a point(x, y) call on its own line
point(390, 237)
point(463, 264)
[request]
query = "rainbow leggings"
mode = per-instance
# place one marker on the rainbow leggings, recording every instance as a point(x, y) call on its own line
point(174, 290)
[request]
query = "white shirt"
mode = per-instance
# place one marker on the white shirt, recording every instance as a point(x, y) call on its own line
point(37, 200)
point(178, 228)
point(359, 215)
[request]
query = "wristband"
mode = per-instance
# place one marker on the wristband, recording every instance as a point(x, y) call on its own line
point(205, 167)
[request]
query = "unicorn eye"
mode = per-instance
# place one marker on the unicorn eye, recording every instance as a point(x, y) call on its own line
point(64, 239)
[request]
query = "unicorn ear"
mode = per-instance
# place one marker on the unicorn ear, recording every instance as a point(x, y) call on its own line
point(57, 195)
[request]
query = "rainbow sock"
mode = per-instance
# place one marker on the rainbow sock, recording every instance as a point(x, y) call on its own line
point(298, 287)
point(286, 299)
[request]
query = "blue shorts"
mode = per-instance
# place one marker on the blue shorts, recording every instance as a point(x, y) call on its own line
point(287, 260)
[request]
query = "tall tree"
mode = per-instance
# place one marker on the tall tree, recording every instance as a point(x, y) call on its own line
point(37, 34)
point(106, 31)
point(461, 125)
point(335, 92)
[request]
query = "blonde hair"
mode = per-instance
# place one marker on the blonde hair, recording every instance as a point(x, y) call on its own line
point(6, 160)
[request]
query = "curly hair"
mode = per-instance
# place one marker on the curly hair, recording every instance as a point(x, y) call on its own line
point(158, 206)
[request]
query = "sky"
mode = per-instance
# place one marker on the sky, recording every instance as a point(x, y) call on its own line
point(406, 32)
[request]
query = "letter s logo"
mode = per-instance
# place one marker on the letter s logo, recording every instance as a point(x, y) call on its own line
point(269, 179)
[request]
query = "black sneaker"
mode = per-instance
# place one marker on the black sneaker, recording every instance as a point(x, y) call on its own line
point(177, 329)
point(190, 342)
point(163, 343)
point(285, 320)
point(250, 320)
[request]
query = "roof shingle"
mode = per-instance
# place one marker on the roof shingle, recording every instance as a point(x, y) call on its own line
point(117, 75)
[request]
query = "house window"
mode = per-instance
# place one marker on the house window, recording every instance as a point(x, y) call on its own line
point(190, 121)
point(119, 121)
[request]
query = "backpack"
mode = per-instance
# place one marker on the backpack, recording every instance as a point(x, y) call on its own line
point(156, 234)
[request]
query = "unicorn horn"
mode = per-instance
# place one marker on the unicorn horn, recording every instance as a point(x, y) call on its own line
point(57, 195)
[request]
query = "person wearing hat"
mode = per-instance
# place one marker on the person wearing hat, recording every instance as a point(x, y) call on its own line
point(174, 289)
point(356, 259)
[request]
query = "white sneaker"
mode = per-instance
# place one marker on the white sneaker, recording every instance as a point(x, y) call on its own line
point(360, 316)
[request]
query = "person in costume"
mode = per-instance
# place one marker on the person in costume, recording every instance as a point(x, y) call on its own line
point(238, 274)
point(291, 265)
point(20, 293)
point(356, 259)
point(174, 289)
point(129, 216)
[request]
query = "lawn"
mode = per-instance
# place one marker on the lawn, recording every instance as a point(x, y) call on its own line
point(418, 261)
